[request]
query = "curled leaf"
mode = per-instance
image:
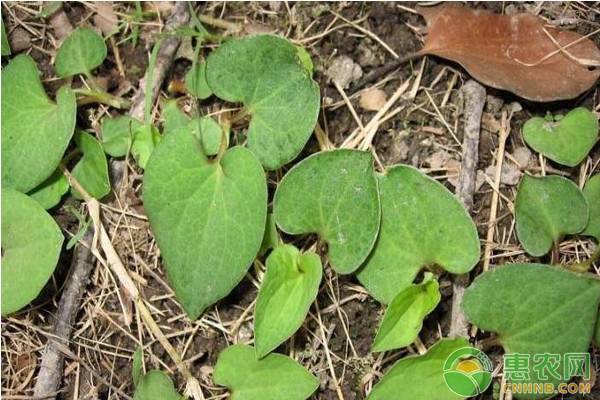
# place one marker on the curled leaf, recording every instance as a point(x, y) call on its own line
point(289, 287)
point(512, 52)
point(404, 316)
point(92, 170)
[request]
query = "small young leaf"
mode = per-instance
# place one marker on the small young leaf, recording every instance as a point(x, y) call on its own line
point(209, 132)
point(422, 223)
point(265, 74)
point(275, 377)
point(137, 367)
point(195, 82)
point(117, 134)
point(5, 46)
point(535, 309)
point(145, 139)
point(546, 209)
point(419, 377)
point(31, 244)
point(35, 131)
point(567, 140)
point(334, 194)
point(208, 217)
point(289, 287)
point(80, 53)
point(404, 316)
point(92, 170)
point(271, 237)
point(50, 192)
point(591, 192)
point(156, 385)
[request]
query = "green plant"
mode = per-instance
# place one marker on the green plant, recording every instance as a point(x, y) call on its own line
point(206, 195)
point(565, 139)
point(273, 377)
point(538, 309)
point(289, 287)
point(546, 209)
point(334, 194)
point(404, 316)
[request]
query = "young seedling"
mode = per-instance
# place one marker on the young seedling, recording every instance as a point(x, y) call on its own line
point(333, 194)
point(208, 216)
point(546, 209)
point(265, 74)
point(117, 134)
point(537, 309)
point(289, 287)
point(404, 316)
point(80, 53)
point(566, 140)
point(273, 377)
point(31, 245)
point(419, 377)
point(422, 224)
point(51, 191)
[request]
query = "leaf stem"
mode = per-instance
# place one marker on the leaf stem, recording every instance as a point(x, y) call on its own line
point(99, 96)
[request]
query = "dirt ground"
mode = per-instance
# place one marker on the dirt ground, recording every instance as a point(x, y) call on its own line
point(334, 343)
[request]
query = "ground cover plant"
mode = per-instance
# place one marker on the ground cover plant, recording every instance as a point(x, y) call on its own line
point(305, 202)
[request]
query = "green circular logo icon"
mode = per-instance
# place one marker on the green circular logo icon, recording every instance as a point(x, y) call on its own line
point(468, 372)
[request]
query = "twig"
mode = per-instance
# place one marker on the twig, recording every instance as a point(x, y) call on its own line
point(378, 72)
point(49, 377)
point(474, 95)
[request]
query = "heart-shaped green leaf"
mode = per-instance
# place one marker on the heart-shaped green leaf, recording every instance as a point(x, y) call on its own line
point(404, 316)
point(156, 385)
point(265, 73)
point(195, 82)
point(591, 192)
point(92, 170)
point(35, 131)
point(117, 134)
point(80, 53)
point(289, 287)
point(422, 224)
point(50, 192)
point(535, 309)
point(334, 194)
point(208, 217)
point(546, 209)
point(419, 377)
point(31, 244)
point(275, 377)
point(566, 140)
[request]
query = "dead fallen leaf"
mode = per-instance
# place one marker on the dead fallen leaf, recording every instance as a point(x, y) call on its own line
point(105, 19)
point(373, 99)
point(512, 52)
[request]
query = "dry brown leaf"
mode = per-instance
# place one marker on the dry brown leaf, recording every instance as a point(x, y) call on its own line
point(512, 52)
point(105, 19)
point(373, 99)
